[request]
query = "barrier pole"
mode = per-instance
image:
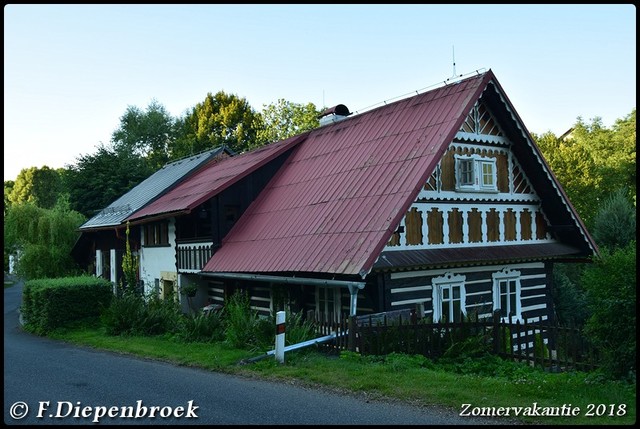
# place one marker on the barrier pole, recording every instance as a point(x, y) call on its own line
point(280, 328)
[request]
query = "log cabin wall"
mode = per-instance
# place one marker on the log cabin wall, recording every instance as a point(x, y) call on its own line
point(412, 289)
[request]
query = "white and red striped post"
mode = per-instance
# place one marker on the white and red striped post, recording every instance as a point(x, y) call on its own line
point(280, 328)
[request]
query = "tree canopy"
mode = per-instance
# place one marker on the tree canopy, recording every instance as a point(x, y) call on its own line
point(593, 161)
point(149, 134)
point(96, 180)
point(43, 238)
point(220, 120)
point(284, 119)
point(40, 186)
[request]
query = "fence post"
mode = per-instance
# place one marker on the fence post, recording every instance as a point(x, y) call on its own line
point(351, 340)
point(280, 328)
point(496, 332)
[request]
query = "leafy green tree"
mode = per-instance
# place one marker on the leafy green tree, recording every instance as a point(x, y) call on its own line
point(569, 298)
point(611, 294)
point(221, 119)
point(41, 186)
point(96, 180)
point(284, 119)
point(614, 228)
point(8, 187)
point(42, 238)
point(147, 134)
point(615, 223)
point(613, 151)
point(573, 164)
point(592, 161)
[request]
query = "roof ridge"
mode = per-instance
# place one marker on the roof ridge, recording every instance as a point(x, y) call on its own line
point(195, 155)
point(433, 87)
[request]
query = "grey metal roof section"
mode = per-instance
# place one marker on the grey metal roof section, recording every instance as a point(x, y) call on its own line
point(149, 189)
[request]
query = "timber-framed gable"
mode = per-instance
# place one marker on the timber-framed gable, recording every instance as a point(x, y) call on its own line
point(478, 195)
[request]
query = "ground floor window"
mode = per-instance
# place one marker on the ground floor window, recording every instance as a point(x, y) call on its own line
point(448, 298)
point(506, 294)
point(328, 303)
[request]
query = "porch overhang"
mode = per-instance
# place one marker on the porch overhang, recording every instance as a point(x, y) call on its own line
point(353, 286)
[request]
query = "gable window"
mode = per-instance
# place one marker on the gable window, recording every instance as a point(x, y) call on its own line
point(476, 173)
point(449, 300)
point(328, 303)
point(506, 294)
point(156, 234)
point(465, 172)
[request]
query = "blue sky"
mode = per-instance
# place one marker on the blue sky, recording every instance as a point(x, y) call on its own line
point(71, 71)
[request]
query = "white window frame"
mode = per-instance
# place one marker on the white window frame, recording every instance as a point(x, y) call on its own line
point(448, 282)
point(478, 176)
point(334, 294)
point(511, 279)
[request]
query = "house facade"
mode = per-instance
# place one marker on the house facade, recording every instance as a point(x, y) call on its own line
point(440, 202)
point(103, 237)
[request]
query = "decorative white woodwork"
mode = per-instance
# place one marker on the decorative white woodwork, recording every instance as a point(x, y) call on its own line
point(423, 208)
point(192, 257)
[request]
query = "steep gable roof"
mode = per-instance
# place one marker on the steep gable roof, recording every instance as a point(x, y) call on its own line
point(336, 201)
point(149, 189)
point(212, 180)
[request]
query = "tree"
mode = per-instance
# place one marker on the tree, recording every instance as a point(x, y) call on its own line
point(43, 238)
point(8, 187)
point(284, 119)
point(97, 180)
point(221, 119)
point(611, 293)
point(615, 223)
point(613, 151)
point(592, 162)
point(147, 134)
point(569, 298)
point(41, 186)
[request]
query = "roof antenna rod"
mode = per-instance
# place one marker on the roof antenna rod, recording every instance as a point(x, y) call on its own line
point(453, 54)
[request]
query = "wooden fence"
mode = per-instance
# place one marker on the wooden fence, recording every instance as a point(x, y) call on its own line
point(550, 346)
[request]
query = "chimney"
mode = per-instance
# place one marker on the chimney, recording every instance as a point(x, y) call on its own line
point(334, 114)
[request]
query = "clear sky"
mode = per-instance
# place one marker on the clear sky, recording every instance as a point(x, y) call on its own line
point(71, 71)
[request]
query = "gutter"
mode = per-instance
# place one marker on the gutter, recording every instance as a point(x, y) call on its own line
point(351, 285)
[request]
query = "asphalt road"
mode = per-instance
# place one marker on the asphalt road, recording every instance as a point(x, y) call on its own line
point(51, 382)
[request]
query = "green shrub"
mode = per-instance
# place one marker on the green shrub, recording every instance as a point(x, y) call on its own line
point(131, 314)
point(470, 347)
point(160, 316)
point(240, 321)
point(541, 349)
point(615, 222)
point(205, 327)
point(298, 329)
point(122, 315)
point(611, 292)
point(48, 304)
point(402, 362)
point(264, 333)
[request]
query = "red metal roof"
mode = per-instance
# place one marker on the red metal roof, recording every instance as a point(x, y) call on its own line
point(212, 180)
point(334, 204)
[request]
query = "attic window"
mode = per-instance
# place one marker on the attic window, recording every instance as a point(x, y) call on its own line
point(475, 173)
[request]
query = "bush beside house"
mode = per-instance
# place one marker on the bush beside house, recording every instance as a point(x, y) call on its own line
point(48, 304)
